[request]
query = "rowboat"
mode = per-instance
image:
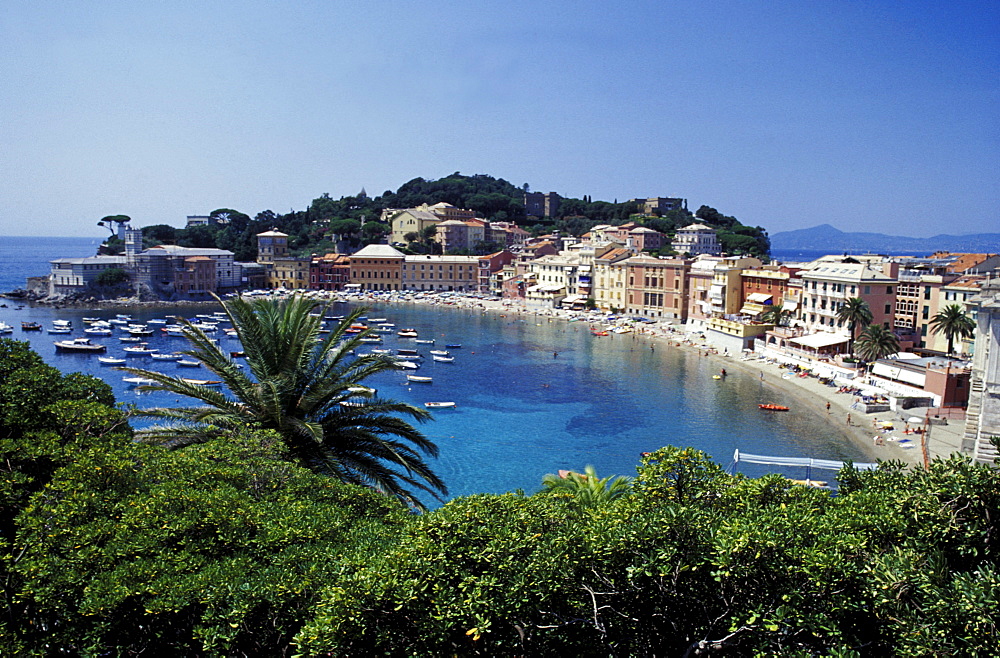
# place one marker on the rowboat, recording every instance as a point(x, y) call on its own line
point(79, 345)
point(418, 379)
point(770, 406)
point(443, 359)
point(407, 333)
point(425, 341)
point(167, 357)
point(5, 328)
point(406, 365)
point(110, 360)
point(439, 405)
point(97, 331)
point(453, 346)
point(440, 352)
point(31, 326)
point(188, 363)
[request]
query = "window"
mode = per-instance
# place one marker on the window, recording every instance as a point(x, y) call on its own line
point(868, 290)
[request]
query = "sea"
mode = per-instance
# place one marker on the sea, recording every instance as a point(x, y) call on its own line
point(532, 394)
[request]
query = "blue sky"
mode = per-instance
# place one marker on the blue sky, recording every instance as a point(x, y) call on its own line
point(869, 116)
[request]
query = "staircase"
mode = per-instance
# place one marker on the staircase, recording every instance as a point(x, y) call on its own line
point(976, 441)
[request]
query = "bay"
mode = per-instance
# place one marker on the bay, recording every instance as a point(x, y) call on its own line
point(533, 395)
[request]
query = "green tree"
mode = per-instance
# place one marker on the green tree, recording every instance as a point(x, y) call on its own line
point(876, 342)
point(857, 314)
point(586, 488)
point(114, 222)
point(111, 277)
point(776, 315)
point(307, 388)
point(953, 323)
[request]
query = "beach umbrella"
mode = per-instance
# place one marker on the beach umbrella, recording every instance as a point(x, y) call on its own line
point(914, 419)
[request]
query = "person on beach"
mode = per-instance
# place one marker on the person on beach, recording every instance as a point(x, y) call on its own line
point(828, 407)
point(849, 419)
point(761, 375)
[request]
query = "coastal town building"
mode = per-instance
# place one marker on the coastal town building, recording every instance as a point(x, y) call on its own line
point(508, 235)
point(330, 272)
point(695, 239)
point(828, 283)
point(768, 287)
point(610, 275)
point(196, 278)
point(158, 269)
point(490, 272)
point(537, 204)
point(983, 413)
point(270, 245)
point(289, 273)
point(441, 273)
point(460, 235)
point(658, 205)
point(377, 267)
point(68, 276)
point(407, 221)
point(656, 288)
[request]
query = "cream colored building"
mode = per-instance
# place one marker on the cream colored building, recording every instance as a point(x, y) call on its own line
point(432, 272)
point(610, 275)
point(696, 239)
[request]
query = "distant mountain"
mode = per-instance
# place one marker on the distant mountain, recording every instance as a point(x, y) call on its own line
point(828, 238)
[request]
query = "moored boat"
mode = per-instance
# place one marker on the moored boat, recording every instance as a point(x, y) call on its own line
point(5, 328)
point(770, 406)
point(419, 379)
point(110, 360)
point(188, 363)
point(407, 333)
point(139, 381)
point(443, 359)
point(79, 345)
point(424, 341)
point(31, 326)
point(202, 382)
point(439, 405)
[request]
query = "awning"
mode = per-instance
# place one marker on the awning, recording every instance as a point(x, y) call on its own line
point(752, 309)
point(789, 305)
point(574, 299)
point(759, 298)
point(822, 339)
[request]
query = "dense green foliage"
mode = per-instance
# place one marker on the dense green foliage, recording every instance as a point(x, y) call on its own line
point(229, 548)
point(351, 222)
point(309, 388)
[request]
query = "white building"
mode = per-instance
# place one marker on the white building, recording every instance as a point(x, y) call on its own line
point(695, 239)
point(72, 275)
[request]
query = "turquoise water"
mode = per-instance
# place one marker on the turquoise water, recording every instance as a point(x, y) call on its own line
point(522, 411)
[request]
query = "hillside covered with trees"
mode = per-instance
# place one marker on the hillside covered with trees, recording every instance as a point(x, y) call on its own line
point(354, 221)
point(109, 546)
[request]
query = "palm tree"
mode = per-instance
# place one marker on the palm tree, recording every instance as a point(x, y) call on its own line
point(587, 488)
point(776, 315)
point(856, 313)
point(953, 323)
point(307, 388)
point(876, 342)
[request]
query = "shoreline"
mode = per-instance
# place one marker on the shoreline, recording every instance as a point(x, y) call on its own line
point(807, 391)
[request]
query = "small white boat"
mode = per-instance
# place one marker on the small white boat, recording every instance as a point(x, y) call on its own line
point(408, 357)
point(440, 352)
point(142, 349)
point(79, 345)
point(139, 381)
point(167, 357)
point(60, 329)
point(370, 339)
point(130, 339)
point(406, 365)
point(97, 331)
point(188, 363)
point(443, 359)
point(439, 405)
point(407, 333)
point(156, 321)
point(110, 360)
point(6, 328)
point(379, 321)
point(425, 341)
point(419, 379)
